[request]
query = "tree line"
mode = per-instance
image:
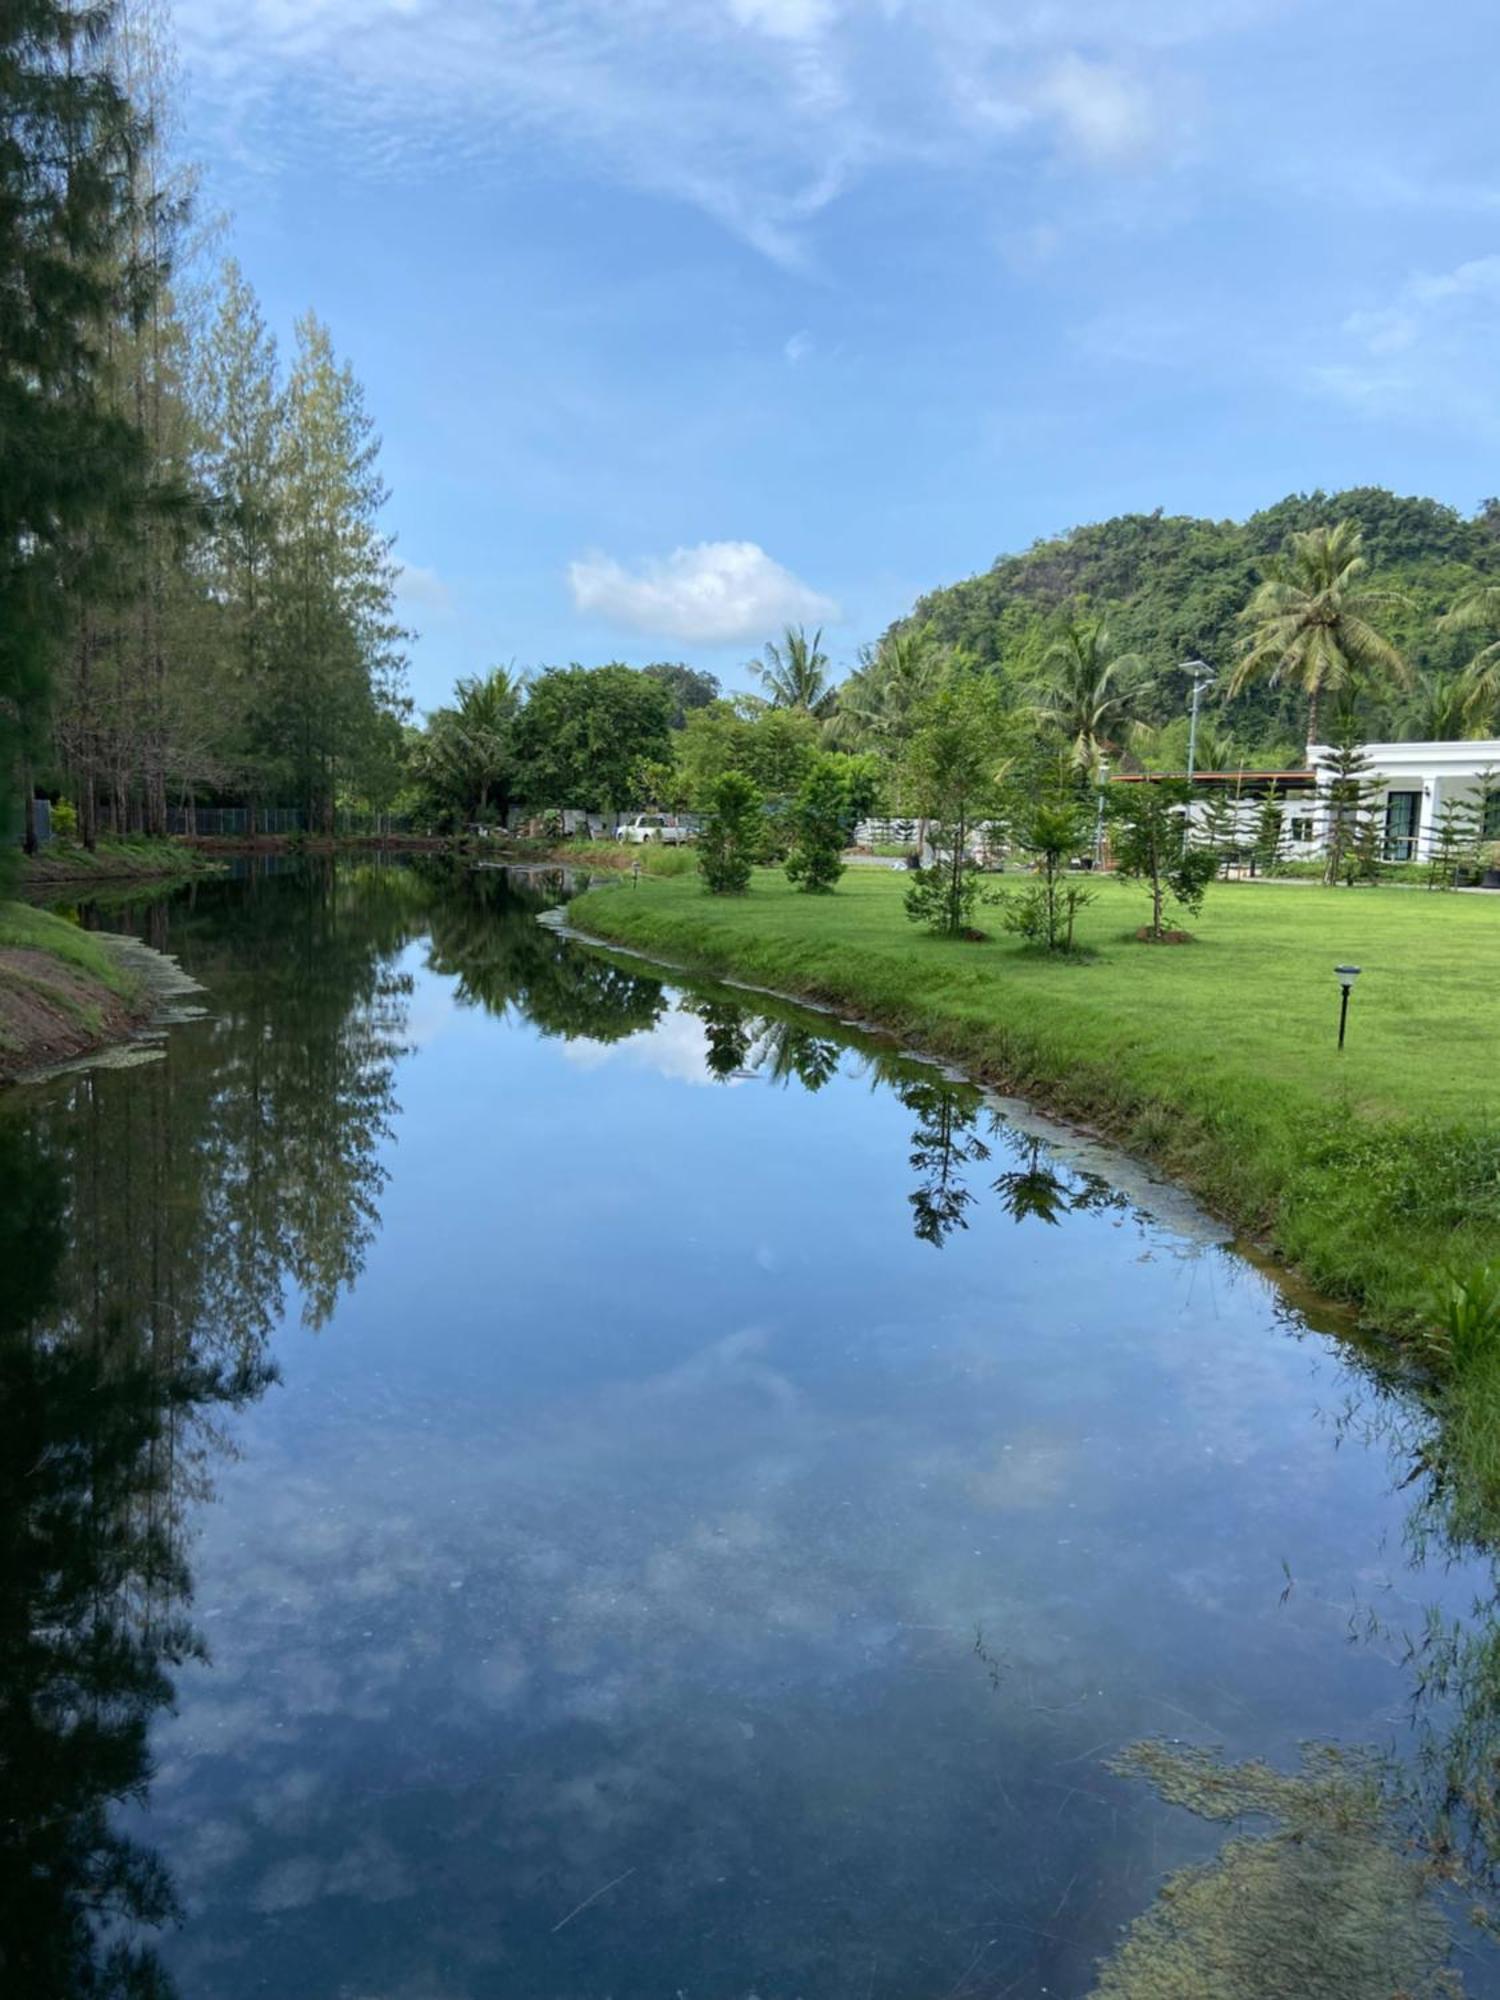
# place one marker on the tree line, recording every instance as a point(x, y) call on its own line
point(197, 594)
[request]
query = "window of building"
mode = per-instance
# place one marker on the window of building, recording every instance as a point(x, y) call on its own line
point(1302, 829)
point(1403, 813)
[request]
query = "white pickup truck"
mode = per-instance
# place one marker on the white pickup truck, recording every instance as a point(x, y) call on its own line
point(654, 826)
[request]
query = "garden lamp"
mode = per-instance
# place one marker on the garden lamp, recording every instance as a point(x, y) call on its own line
point(1347, 974)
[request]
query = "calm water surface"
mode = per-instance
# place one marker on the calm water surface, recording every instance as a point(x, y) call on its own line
point(570, 1485)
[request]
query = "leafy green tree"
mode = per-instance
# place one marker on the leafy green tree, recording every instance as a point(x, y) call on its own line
point(1086, 693)
point(951, 775)
point(794, 672)
point(585, 733)
point(1051, 824)
point(731, 835)
point(689, 687)
point(820, 828)
point(774, 747)
point(1312, 621)
point(1147, 820)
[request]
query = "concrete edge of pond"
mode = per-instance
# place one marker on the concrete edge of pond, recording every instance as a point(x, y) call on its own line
point(167, 998)
point(1154, 1195)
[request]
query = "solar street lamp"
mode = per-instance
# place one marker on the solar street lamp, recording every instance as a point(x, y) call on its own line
point(1347, 974)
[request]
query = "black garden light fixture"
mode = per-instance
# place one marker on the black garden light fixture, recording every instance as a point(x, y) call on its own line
point(1347, 975)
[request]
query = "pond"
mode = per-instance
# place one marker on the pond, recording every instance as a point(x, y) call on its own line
point(528, 1476)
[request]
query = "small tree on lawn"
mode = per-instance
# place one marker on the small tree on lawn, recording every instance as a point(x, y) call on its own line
point(1270, 831)
point(1455, 842)
point(1054, 826)
point(1351, 798)
point(1214, 824)
point(820, 828)
point(1146, 822)
point(731, 834)
point(951, 776)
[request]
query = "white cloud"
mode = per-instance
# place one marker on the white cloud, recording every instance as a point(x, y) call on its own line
point(1104, 113)
point(424, 588)
point(712, 594)
point(799, 347)
point(1427, 352)
point(758, 112)
point(792, 20)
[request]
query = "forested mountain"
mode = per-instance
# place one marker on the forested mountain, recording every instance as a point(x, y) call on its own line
point(1173, 586)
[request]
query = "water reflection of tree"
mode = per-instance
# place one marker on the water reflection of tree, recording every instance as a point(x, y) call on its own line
point(97, 1411)
point(150, 1221)
point(483, 932)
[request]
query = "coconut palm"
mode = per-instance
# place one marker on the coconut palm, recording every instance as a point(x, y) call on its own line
point(878, 705)
point(1164, 747)
point(1312, 621)
point(466, 751)
point(1478, 610)
point(795, 672)
point(1087, 692)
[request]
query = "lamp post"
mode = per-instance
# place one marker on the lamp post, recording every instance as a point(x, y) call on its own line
point(1203, 678)
point(1347, 974)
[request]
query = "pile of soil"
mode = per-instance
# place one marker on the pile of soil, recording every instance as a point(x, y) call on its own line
point(51, 1012)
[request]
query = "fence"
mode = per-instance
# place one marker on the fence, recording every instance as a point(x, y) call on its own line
point(234, 822)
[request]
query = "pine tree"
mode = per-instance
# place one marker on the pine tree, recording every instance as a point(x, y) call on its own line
point(1270, 830)
point(242, 430)
point(337, 661)
point(71, 265)
point(1351, 795)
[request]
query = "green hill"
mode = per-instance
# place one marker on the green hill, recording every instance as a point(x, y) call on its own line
point(1172, 586)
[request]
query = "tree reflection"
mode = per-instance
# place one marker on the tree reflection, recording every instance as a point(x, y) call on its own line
point(944, 1143)
point(483, 932)
point(1036, 1191)
point(96, 1414)
point(151, 1221)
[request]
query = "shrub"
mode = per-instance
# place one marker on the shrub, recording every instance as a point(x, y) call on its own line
point(820, 826)
point(64, 820)
point(1052, 827)
point(731, 834)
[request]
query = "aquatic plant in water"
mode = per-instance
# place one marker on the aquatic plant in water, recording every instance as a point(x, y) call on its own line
point(1328, 1905)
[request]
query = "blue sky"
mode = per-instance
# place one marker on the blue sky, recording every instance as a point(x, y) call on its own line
point(682, 318)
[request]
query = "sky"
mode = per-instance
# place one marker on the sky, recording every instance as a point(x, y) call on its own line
point(684, 319)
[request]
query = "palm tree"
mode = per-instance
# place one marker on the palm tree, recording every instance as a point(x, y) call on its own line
point(1478, 610)
point(1311, 621)
point(795, 673)
point(1087, 692)
point(468, 747)
point(1437, 710)
point(878, 705)
point(1164, 747)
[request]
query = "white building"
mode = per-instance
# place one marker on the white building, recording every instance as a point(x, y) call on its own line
point(1417, 780)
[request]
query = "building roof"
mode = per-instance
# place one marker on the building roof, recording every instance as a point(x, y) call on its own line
point(1300, 778)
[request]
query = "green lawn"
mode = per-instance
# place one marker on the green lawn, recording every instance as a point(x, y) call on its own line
point(23, 928)
point(1216, 1058)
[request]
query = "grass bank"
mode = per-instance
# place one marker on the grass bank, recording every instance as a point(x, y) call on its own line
point(1369, 1172)
point(62, 992)
point(69, 862)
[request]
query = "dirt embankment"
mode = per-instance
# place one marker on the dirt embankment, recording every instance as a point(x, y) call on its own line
point(52, 1012)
